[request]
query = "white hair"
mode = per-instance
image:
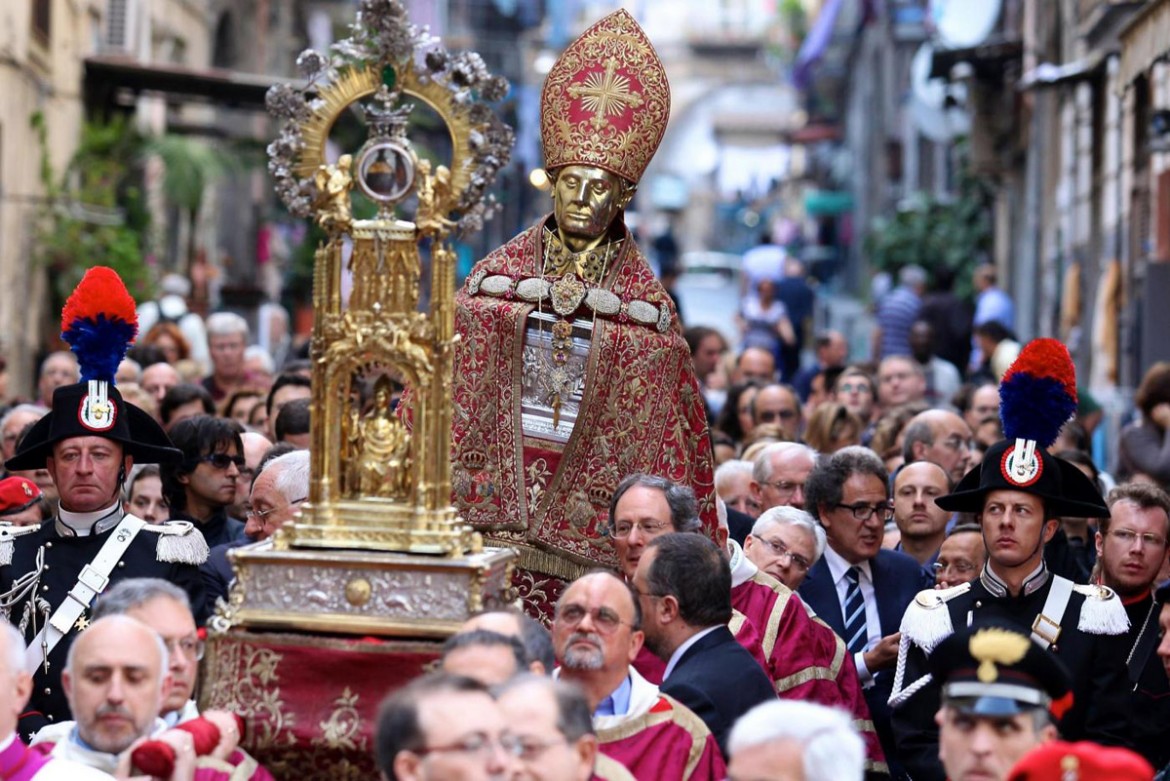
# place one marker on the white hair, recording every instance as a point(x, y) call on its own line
point(292, 474)
point(792, 516)
point(226, 324)
point(762, 469)
point(734, 467)
point(267, 365)
point(31, 409)
point(13, 648)
point(132, 365)
point(831, 748)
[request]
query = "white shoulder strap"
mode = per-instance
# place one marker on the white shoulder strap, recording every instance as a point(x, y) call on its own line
point(1046, 627)
point(92, 581)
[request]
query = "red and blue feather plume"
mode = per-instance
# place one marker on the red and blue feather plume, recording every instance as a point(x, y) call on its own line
point(1038, 393)
point(99, 321)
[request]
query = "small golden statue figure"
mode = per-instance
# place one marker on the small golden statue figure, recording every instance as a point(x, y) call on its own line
point(383, 464)
point(333, 182)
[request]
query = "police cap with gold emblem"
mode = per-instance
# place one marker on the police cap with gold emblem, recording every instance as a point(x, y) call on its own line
point(99, 321)
point(996, 670)
point(1038, 395)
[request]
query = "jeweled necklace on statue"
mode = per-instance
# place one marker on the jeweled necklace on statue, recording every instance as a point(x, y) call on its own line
point(575, 272)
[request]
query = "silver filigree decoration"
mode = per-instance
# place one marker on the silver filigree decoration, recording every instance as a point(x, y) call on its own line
point(383, 35)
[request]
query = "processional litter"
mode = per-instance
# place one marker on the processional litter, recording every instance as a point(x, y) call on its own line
point(351, 600)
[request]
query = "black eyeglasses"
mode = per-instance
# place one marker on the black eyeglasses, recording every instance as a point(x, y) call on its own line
point(223, 460)
point(863, 512)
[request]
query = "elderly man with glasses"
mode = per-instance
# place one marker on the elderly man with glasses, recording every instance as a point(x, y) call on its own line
point(785, 543)
point(858, 588)
point(597, 634)
point(779, 474)
point(277, 494)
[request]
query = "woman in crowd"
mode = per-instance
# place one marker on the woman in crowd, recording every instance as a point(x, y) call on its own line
point(1144, 448)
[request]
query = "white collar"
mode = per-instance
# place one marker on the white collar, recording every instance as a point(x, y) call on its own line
point(4, 744)
point(678, 652)
point(190, 710)
point(838, 566)
point(71, 524)
point(742, 568)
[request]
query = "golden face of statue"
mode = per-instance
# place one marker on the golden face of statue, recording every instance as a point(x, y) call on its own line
point(585, 202)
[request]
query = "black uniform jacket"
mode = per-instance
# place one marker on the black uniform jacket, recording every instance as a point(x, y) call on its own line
point(1097, 663)
point(64, 558)
point(1149, 687)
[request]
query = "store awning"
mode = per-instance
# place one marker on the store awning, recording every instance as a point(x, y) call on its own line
point(1144, 41)
point(824, 203)
point(1048, 74)
point(106, 75)
point(987, 59)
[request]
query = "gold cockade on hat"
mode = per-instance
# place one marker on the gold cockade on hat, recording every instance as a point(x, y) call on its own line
point(606, 101)
point(994, 646)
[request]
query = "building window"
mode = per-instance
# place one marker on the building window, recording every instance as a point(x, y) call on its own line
point(41, 20)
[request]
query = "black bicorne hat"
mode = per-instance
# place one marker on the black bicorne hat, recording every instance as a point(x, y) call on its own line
point(80, 411)
point(1066, 490)
point(1037, 396)
point(99, 321)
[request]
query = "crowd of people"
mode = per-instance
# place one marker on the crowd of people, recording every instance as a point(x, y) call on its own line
point(891, 573)
point(789, 644)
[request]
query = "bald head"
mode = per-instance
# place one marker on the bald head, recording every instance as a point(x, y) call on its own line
point(536, 639)
point(596, 633)
point(158, 378)
point(755, 363)
point(115, 677)
point(941, 437)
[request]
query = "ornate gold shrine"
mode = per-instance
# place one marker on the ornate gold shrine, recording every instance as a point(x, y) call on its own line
point(378, 548)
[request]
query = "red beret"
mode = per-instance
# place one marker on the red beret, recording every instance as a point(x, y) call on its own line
point(1083, 761)
point(16, 494)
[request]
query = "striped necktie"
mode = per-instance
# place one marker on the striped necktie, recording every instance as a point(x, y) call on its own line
point(856, 635)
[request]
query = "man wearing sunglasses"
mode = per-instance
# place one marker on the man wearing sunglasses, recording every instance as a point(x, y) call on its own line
point(858, 588)
point(203, 484)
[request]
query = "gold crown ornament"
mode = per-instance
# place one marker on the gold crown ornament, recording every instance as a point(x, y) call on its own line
point(606, 101)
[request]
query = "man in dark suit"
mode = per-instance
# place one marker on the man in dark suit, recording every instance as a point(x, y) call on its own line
point(858, 588)
point(683, 584)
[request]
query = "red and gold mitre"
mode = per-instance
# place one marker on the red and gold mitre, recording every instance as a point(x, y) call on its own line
point(606, 101)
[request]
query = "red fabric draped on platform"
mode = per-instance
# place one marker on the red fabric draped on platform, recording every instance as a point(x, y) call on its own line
point(310, 703)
